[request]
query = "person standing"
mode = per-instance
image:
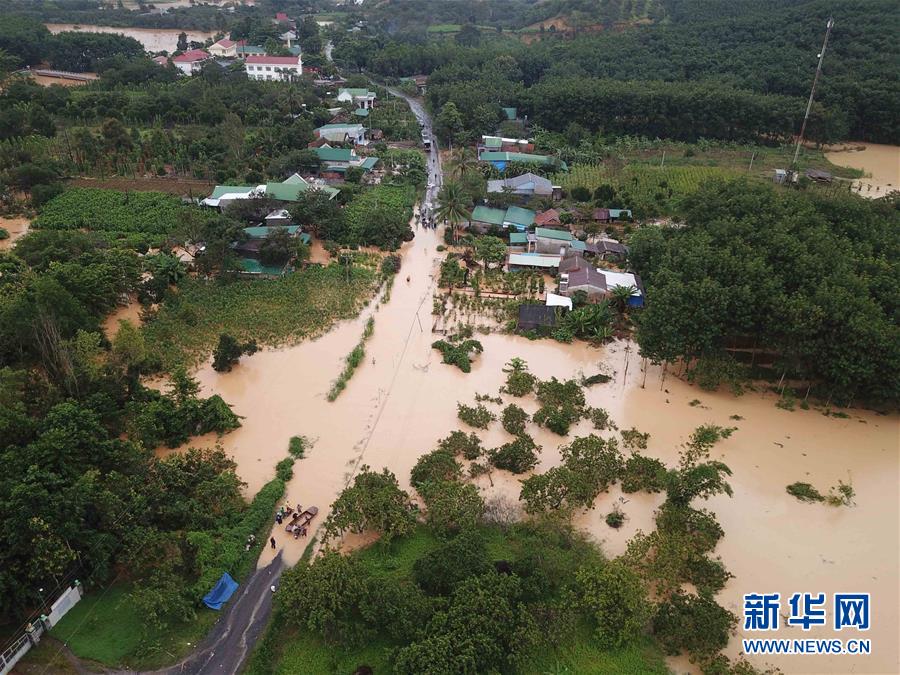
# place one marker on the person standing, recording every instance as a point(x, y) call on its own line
point(272, 541)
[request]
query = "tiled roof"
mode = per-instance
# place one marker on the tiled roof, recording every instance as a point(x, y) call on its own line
point(273, 60)
point(191, 56)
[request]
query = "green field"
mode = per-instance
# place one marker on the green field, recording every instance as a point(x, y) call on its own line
point(272, 312)
point(105, 627)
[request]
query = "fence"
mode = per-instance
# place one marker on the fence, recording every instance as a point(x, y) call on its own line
point(32, 635)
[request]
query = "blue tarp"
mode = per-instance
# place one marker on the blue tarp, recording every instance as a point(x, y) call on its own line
point(218, 596)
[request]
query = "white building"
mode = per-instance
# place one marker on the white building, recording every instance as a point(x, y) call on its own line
point(361, 98)
point(191, 61)
point(273, 67)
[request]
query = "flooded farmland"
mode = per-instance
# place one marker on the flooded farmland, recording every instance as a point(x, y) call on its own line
point(16, 227)
point(881, 164)
point(153, 39)
point(402, 399)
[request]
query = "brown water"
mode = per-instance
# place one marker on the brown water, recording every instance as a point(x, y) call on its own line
point(153, 39)
point(402, 400)
point(17, 228)
point(881, 163)
point(130, 312)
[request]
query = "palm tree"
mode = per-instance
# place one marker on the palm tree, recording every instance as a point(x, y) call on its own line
point(464, 161)
point(620, 296)
point(453, 206)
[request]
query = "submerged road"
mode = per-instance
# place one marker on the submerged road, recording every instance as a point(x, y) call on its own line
point(244, 619)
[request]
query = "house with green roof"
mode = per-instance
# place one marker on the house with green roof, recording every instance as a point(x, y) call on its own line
point(515, 217)
point(361, 98)
point(518, 218)
point(286, 191)
point(548, 240)
point(338, 160)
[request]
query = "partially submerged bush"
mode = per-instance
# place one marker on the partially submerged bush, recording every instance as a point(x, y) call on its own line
point(461, 443)
point(514, 419)
point(458, 353)
point(519, 382)
point(478, 416)
point(517, 456)
point(643, 473)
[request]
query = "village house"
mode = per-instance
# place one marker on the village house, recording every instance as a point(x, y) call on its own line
point(610, 215)
point(191, 61)
point(500, 144)
point(343, 133)
point(337, 160)
point(515, 217)
point(598, 283)
point(281, 68)
point(361, 98)
point(288, 38)
point(243, 51)
point(549, 217)
point(548, 240)
point(500, 160)
point(225, 48)
point(526, 185)
point(286, 191)
point(516, 262)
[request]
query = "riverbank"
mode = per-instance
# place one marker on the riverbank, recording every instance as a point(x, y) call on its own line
point(880, 163)
point(153, 39)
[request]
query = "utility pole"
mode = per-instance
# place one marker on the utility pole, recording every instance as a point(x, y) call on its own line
point(812, 91)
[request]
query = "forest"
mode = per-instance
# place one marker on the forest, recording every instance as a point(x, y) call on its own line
point(803, 284)
point(758, 59)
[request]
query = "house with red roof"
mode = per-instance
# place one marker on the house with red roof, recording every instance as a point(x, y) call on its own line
point(226, 48)
point(191, 61)
point(281, 68)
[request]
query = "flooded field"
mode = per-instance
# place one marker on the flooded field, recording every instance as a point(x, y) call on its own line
point(153, 39)
point(47, 81)
point(17, 228)
point(881, 164)
point(402, 400)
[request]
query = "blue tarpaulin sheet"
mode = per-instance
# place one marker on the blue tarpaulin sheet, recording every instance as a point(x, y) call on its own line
point(220, 593)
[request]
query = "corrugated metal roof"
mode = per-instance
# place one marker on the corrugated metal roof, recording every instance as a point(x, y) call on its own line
point(220, 190)
point(485, 214)
point(534, 260)
point(335, 154)
point(558, 235)
point(518, 238)
point(266, 230)
point(519, 216)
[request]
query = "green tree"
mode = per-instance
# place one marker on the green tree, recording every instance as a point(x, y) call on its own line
point(229, 351)
point(490, 250)
point(616, 601)
point(453, 206)
point(373, 502)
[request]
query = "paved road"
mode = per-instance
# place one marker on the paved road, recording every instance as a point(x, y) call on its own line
point(227, 646)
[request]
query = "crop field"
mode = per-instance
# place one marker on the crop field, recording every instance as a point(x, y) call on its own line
point(272, 312)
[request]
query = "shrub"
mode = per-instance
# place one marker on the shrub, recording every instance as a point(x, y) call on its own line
point(458, 353)
point(229, 351)
point(805, 492)
point(285, 469)
point(4, 233)
point(514, 419)
point(643, 473)
point(452, 506)
point(519, 382)
point(634, 439)
point(517, 456)
point(440, 570)
point(615, 599)
point(615, 518)
point(479, 416)
point(297, 446)
point(390, 264)
point(373, 502)
point(460, 443)
point(600, 419)
point(436, 466)
point(694, 624)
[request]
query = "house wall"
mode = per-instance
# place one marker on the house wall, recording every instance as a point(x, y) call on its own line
point(551, 246)
point(261, 71)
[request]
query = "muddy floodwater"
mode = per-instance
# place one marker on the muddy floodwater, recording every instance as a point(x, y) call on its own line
point(153, 39)
point(130, 312)
point(17, 228)
point(881, 164)
point(402, 399)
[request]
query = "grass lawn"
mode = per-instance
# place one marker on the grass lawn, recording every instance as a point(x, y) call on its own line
point(105, 627)
point(273, 312)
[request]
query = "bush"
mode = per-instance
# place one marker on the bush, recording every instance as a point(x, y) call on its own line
point(285, 469)
point(514, 419)
point(615, 518)
point(229, 351)
point(440, 570)
point(694, 624)
point(390, 264)
point(4, 233)
point(600, 419)
point(519, 382)
point(479, 416)
point(452, 506)
point(458, 353)
point(436, 466)
point(634, 439)
point(805, 492)
point(615, 599)
point(460, 443)
point(297, 446)
point(643, 473)
point(517, 456)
